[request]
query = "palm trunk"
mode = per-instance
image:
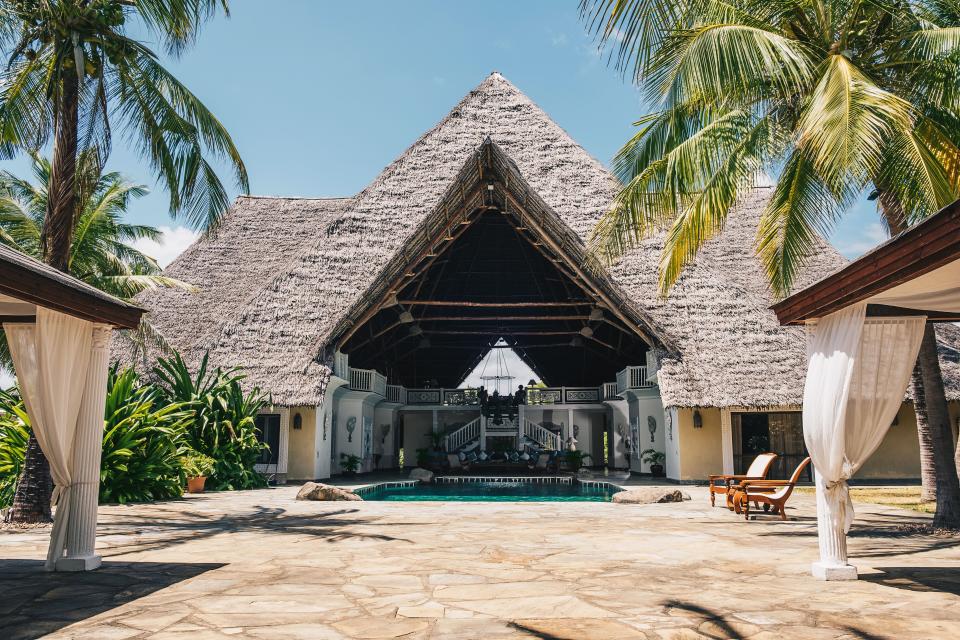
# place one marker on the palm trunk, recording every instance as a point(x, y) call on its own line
point(933, 416)
point(928, 476)
point(940, 433)
point(31, 503)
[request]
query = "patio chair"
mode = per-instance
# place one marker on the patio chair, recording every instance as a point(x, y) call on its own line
point(770, 493)
point(725, 483)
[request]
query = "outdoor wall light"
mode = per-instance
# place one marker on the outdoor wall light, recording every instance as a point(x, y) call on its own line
point(297, 421)
point(697, 420)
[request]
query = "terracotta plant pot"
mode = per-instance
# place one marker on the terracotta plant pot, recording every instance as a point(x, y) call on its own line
point(195, 485)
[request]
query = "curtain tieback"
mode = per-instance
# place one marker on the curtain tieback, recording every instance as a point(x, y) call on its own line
point(61, 489)
point(838, 498)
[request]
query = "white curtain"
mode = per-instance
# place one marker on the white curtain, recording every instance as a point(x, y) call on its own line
point(50, 360)
point(858, 373)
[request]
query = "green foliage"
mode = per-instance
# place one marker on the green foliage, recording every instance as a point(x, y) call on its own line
point(143, 442)
point(652, 456)
point(576, 458)
point(832, 99)
point(350, 463)
point(197, 465)
point(14, 433)
point(423, 457)
point(222, 419)
point(102, 253)
point(51, 47)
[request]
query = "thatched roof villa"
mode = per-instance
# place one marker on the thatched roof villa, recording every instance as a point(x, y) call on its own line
point(368, 311)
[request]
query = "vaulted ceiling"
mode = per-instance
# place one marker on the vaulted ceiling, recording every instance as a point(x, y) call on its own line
point(493, 278)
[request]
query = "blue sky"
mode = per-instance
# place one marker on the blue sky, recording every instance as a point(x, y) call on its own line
point(320, 96)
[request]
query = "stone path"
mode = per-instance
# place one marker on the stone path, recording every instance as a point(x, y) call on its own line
point(258, 564)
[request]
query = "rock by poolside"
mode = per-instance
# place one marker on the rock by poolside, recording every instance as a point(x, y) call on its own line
point(423, 475)
point(649, 495)
point(325, 492)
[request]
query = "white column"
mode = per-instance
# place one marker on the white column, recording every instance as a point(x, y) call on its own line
point(726, 440)
point(833, 563)
point(87, 446)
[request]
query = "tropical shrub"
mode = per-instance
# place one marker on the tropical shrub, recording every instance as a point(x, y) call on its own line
point(350, 463)
point(222, 419)
point(197, 465)
point(14, 433)
point(143, 441)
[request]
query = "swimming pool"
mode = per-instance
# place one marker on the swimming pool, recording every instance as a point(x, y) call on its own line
point(460, 489)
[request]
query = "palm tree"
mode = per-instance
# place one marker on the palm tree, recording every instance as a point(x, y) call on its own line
point(73, 76)
point(834, 97)
point(100, 255)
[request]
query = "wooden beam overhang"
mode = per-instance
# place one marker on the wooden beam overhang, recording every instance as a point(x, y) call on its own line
point(27, 280)
point(920, 249)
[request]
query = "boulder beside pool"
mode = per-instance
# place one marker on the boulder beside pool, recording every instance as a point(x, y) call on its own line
point(423, 475)
point(649, 495)
point(325, 492)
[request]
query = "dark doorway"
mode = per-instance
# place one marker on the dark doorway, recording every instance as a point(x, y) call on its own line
point(779, 432)
point(268, 432)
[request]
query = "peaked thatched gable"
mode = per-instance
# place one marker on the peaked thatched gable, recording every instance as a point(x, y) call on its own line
point(284, 275)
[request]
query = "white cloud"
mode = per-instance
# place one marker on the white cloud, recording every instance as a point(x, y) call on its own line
point(173, 242)
point(870, 237)
point(6, 379)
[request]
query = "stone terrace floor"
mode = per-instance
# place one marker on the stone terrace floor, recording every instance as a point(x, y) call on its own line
point(259, 564)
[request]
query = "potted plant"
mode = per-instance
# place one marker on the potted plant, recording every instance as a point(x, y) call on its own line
point(196, 467)
point(438, 456)
point(350, 463)
point(655, 459)
point(573, 460)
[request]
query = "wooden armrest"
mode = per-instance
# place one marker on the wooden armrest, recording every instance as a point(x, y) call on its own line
point(746, 484)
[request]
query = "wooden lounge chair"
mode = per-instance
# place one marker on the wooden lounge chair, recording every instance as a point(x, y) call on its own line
point(774, 493)
point(725, 483)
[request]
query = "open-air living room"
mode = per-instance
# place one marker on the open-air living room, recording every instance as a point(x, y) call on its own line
point(710, 389)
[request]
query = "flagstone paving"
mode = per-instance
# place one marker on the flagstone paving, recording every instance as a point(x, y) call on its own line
point(258, 564)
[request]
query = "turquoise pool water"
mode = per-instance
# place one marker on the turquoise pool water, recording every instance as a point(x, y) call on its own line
point(493, 492)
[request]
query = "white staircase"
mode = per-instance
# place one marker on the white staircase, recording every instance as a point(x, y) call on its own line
point(464, 435)
point(541, 435)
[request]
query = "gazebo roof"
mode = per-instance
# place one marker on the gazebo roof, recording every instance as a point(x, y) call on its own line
point(26, 283)
point(917, 271)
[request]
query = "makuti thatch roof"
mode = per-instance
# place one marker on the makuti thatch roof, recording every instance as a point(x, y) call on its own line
point(282, 276)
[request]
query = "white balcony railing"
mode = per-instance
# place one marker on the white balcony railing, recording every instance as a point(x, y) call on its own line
point(632, 378)
point(396, 393)
point(547, 439)
point(463, 435)
point(341, 365)
point(368, 380)
point(609, 390)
